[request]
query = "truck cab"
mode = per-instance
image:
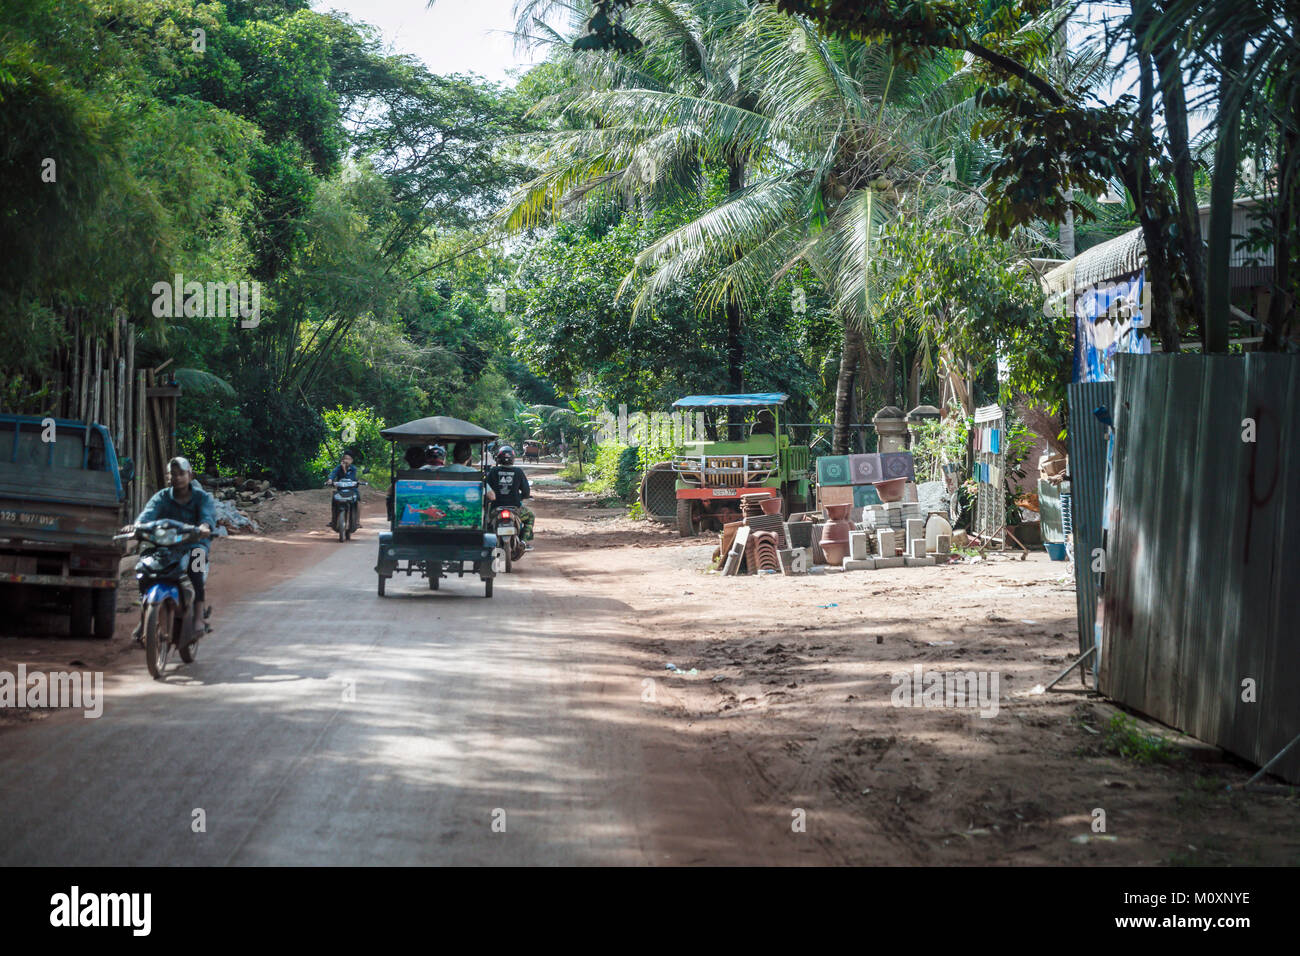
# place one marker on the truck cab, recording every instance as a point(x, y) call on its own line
point(61, 501)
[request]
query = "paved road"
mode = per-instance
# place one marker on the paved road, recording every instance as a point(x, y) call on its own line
point(463, 706)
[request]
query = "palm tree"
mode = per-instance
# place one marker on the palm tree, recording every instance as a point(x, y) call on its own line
point(642, 129)
point(819, 138)
point(579, 420)
point(849, 132)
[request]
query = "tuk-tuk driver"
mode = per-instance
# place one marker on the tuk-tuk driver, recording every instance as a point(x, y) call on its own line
point(507, 486)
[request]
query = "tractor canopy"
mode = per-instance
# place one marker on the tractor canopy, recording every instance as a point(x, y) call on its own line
point(751, 400)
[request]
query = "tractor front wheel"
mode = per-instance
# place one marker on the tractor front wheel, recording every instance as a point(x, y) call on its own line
point(687, 526)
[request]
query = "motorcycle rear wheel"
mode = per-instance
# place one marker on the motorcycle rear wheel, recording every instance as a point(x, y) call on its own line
point(509, 561)
point(157, 637)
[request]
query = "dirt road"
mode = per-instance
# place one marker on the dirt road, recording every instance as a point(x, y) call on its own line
point(325, 725)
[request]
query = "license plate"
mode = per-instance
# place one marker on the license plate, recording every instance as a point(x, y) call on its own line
point(722, 492)
point(29, 519)
point(505, 531)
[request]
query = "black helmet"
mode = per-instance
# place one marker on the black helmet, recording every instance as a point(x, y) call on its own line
point(505, 455)
point(437, 451)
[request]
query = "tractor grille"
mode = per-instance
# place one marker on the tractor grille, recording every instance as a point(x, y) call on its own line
point(725, 471)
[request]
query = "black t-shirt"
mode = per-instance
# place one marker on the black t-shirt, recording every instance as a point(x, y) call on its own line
point(510, 485)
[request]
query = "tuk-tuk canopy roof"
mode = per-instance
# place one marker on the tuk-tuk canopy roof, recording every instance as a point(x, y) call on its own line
point(753, 399)
point(437, 428)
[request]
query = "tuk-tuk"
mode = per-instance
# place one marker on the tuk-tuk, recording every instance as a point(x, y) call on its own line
point(532, 450)
point(436, 521)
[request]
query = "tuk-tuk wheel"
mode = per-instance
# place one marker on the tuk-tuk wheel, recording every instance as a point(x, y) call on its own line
point(382, 579)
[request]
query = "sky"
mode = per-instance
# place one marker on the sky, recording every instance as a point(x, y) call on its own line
point(452, 36)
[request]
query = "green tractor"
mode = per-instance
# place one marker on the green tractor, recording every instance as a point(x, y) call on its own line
point(755, 457)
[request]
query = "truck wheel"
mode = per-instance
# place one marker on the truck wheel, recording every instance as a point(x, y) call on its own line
point(105, 604)
point(686, 525)
point(82, 612)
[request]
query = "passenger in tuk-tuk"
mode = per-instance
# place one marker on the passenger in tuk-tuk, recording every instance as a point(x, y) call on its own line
point(462, 455)
point(417, 459)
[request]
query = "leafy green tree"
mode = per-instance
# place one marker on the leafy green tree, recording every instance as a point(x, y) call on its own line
point(355, 430)
point(971, 303)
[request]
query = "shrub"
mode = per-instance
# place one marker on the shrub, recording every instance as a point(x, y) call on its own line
point(616, 471)
point(627, 479)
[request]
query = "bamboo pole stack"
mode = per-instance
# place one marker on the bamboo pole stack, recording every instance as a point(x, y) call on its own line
point(97, 380)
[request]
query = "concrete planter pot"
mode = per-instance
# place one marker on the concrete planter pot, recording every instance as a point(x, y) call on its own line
point(890, 490)
point(835, 534)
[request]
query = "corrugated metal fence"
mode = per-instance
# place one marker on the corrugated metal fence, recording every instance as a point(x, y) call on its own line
point(1088, 490)
point(1201, 607)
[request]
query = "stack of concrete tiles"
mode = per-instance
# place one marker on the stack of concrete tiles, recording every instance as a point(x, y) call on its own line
point(894, 514)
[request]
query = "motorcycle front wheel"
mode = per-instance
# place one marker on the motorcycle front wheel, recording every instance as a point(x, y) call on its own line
point(157, 637)
point(189, 651)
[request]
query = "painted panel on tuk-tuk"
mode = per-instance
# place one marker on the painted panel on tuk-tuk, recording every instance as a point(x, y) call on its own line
point(439, 504)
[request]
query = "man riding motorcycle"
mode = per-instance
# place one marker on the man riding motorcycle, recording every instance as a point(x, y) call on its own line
point(344, 469)
point(184, 500)
point(507, 486)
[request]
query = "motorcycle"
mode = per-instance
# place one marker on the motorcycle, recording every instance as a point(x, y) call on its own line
point(347, 502)
point(162, 570)
point(507, 527)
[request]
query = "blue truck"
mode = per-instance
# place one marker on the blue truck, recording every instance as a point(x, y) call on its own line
point(62, 498)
